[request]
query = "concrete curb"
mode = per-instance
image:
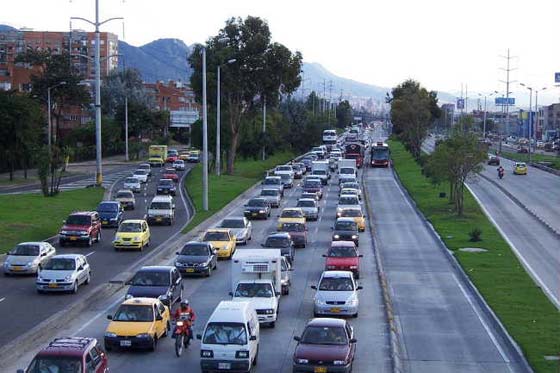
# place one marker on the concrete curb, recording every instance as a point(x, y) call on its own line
point(395, 344)
point(520, 204)
point(510, 343)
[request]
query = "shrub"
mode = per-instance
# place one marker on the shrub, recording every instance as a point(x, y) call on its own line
point(475, 235)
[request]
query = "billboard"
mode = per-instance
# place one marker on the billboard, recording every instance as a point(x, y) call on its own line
point(183, 119)
point(504, 101)
point(460, 103)
point(556, 77)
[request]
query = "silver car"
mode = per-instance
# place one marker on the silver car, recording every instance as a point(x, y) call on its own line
point(28, 257)
point(273, 196)
point(240, 227)
point(337, 295)
point(347, 201)
point(310, 208)
point(63, 273)
point(132, 183)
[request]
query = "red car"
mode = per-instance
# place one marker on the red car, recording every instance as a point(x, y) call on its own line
point(171, 173)
point(70, 354)
point(343, 256)
point(81, 227)
point(326, 345)
point(297, 231)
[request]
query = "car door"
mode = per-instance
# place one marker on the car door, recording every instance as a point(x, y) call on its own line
point(177, 284)
point(159, 325)
point(82, 270)
point(350, 334)
point(212, 256)
point(249, 227)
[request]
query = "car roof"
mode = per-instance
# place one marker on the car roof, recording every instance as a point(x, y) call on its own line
point(69, 346)
point(345, 219)
point(307, 199)
point(162, 198)
point(139, 221)
point(32, 243)
point(279, 235)
point(67, 256)
point(110, 202)
point(156, 269)
point(271, 189)
point(141, 301)
point(230, 311)
point(165, 179)
point(336, 274)
point(218, 230)
point(85, 213)
point(128, 191)
point(235, 217)
point(291, 209)
point(335, 244)
point(326, 321)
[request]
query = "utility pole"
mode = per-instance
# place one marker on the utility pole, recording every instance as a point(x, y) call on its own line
point(508, 69)
point(324, 101)
point(264, 129)
point(204, 135)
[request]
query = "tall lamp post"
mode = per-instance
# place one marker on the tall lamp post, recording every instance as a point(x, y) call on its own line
point(218, 118)
point(96, 24)
point(485, 113)
point(204, 135)
point(537, 123)
point(530, 116)
point(49, 109)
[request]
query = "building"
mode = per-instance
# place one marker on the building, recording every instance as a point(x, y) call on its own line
point(179, 99)
point(549, 121)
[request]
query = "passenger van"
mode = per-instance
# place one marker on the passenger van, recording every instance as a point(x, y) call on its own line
point(161, 210)
point(231, 338)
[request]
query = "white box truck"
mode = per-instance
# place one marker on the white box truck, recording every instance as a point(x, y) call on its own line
point(347, 167)
point(321, 169)
point(256, 277)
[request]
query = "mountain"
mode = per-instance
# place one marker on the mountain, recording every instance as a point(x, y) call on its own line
point(161, 59)
point(7, 28)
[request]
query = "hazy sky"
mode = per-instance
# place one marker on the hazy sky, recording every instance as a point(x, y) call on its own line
point(440, 43)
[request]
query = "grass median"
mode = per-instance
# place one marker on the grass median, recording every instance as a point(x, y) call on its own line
point(523, 157)
point(223, 189)
point(528, 315)
point(32, 217)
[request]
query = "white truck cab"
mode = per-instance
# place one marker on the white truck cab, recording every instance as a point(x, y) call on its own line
point(161, 210)
point(230, 341)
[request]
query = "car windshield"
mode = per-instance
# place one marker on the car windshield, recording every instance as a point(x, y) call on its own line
point(108, 207)
point(225, 333)
point(195, 250)
point(56, 363)
point(232, 223)
point(124, 195)
point(349, 191)
point(160, 206)
point(324, 335)
point(350, 200)
point(292, 227)
point(130, 227)
point(151, 278)
point(272, 181)
point(140, 172)
point(131, 180)
point(346, 170)
point(140, 313)
point(277, 242)
point(25, 250)
point(345, 226)
point(520, 164)
point(60, 264)
point(380, 153)
point(285, 176)
point(256, 203)
point(78, 220)
point(284, 168)
point(345, 180)
point(351, 185)
point(269, 192)
point(336, 284)
point(216, 236)
point(144, 166)
point(306, 204)
point(312, 184)
point(319, 172)
point(342, 252)
point(254, 291)
point(351, 213)
point(165, 182)
point(291, 214)
point(352, 156)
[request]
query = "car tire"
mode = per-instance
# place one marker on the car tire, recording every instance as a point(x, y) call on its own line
point(154, 343)
point(89, 242)
point(167, 329)
point(107, 348)
point(75, 288)
point(209, 272)
point(88, 279)
point(39, 291)
point(355, 315)
point(272, 324)
point(98, 238)
point(256, 357)
point(61, 243)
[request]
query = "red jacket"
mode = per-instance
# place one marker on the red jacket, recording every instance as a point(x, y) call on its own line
point(179, 311)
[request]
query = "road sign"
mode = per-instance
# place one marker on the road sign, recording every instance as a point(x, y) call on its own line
point(556, 77)
point(460, 103)
point(504, 101)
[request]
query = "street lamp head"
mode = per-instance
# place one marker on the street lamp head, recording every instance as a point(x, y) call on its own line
point(223, 39)
point(522, 84)
point(231, 61)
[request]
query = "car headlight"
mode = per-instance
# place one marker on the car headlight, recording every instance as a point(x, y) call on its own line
point(352, 301)
point(354, 236)
point(320, 302)
point(262, 211)
point(247, 212)
point(206, 353)
point(339, 362)
point(128, 296)
point(110, 335)
point(269, 311)
point(242, 354)
point(302, 361)
point(113, 219)
point(84, 233)
point(68, 278)
point(337, 236)
point(143, 335)
point(137, 238)
point(63, 232)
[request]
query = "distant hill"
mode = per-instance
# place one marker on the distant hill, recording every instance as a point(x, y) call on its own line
point(7, 28)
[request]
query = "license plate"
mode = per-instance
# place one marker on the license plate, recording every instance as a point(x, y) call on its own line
point(17, 268)
point(53, 285)
point(73, 238)
point(158, 219)
point(126, 243)
point(104, 222)
point(254, 214)
point(126, 343)
point(224, 365)
point(190, 270)
point(320, 370)
point(335, 310)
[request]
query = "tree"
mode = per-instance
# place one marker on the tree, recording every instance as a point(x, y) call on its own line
point(343, 114)
point(454, 161)
point(263, 71)
point(120, 84)
point(413, 109)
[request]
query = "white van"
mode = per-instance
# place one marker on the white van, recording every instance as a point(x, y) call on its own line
point(231, 338)
point(161, 210)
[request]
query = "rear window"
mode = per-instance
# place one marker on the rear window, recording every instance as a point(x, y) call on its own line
point(345, 226)
point(56, 363)
point(78, 220)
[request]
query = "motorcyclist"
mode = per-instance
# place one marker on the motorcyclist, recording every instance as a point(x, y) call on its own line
point(500, 171)
point(185, 309)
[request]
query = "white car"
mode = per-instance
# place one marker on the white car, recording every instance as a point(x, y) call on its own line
point(28, 257)
point(63, 273)
point(272, 195)
point(350, 191)
point(132, 183)
point(240, 227)
point(141, 175)
point(179, 165)
point(347, 201)
point(310, 208)
point(285, 169)
point(145, 166)
point(337, 295)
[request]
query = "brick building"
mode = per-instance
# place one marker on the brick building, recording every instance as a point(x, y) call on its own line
point(178, 98)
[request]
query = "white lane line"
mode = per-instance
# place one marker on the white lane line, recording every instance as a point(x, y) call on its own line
point(488, 331)
point(2, 299)
point(96, 316)
point(88, 254)
point(516, 251)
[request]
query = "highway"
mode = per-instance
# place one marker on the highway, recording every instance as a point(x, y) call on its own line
point(19, 296)
point(277, 344)
point(537, 246)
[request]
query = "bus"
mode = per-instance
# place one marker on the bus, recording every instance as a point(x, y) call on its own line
point(329, 138)
point(380, 154)
point(354, 151)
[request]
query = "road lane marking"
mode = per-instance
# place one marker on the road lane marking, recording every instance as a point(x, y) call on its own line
point(88, 254)
point(96, 316)
point(2, 299)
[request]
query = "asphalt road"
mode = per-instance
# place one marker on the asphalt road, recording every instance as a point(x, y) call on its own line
point(18, 295)
point(442, 328)
point(277, 344)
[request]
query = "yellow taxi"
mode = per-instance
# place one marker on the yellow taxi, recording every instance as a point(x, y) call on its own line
point(132, 234)
point(222, 240)
point(520, 168)
point(184, 155)
point(138, 323)
point(291, 215)
point(358, 216)
point(156, 161)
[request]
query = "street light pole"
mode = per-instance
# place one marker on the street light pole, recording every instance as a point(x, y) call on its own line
point(126, 127)
point(530, 116)
point(204, 135)
point(218, 121)
point(264, 129)
point(537, 123)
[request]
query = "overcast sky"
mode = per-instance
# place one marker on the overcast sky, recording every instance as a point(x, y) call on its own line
point(441, 43)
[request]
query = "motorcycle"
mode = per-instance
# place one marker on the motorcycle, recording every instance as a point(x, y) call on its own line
point(182, 333)
point(501, 174)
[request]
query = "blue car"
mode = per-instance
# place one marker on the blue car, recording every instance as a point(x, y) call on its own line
point(166, 186)
point(110, 213)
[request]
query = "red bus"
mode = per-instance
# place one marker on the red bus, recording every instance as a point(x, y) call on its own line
point(354, 151)
point(380, 155)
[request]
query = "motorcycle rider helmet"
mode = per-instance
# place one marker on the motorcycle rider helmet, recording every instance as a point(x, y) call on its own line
point(184, 303)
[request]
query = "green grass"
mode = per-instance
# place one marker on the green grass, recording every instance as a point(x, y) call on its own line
point(32, 217)
point(523, 157)
point(223, 189)
point(526, 312)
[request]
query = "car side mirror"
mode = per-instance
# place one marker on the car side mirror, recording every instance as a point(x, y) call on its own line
point(44, 254)
point(297, 338)
point(159, 318)
point(80, 268)
point(353, 340)
point(314, 287)
point(230, 294)
point(64, 222)
point(177, 253)
point(109, 317)
point(198, 336)
point(262, 244)
point(253, 338)
point(361, 256)
point(359, 287)
point(324, 255)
